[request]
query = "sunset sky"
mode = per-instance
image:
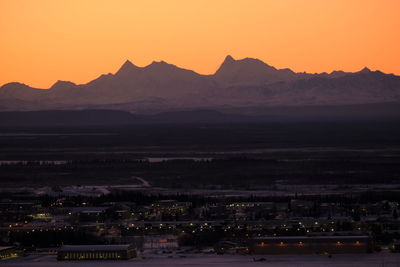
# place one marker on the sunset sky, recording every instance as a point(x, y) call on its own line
point(77, 40)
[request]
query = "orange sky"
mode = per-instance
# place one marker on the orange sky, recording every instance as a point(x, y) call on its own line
point(77, 40)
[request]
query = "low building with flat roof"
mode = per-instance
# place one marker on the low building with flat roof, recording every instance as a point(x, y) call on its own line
point(9, 252)
point(96, 252)
point(311, 244)
point(161, 241)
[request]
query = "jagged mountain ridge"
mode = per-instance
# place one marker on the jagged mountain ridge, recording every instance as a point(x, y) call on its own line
point(237, 83)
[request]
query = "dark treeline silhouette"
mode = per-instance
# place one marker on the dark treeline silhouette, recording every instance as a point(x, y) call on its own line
point(245, 172)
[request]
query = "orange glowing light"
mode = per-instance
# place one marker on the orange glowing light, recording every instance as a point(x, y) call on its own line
point(262, 244)
point(281, 244)
point(339, 243)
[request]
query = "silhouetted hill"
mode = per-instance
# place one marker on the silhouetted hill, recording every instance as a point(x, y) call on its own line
point(368, 112)
point(65, 118)
point(161, 87)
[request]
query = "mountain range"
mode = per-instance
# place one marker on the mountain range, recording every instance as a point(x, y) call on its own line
point(237, 84)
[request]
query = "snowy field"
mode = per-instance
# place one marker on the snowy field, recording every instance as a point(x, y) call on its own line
point(348, 260)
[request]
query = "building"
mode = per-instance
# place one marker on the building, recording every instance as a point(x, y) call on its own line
point(170, 207)
point(9, 252)
point(311, 244)
point(395, 247)
point(161, 242)
point(89, 214)
point(229, 247)
point(96, 252)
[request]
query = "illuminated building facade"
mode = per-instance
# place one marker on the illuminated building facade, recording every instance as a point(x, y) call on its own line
point(311, 244)
point(96, 252)
point(9, 252)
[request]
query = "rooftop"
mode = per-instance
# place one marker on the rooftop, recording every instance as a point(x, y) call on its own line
point(5, 248)
point(311, 237)
point(94, 248)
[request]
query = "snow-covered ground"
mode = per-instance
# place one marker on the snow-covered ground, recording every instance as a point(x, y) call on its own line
point(348, 260)
point(91, 190)
point(143, 183)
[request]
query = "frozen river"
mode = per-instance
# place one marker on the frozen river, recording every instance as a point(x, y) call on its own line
point(348, 260)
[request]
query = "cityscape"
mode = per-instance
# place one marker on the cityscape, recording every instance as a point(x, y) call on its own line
point(199, 133)
point(88, 223)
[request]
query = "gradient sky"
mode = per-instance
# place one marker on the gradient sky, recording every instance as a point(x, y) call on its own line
point(77, 40)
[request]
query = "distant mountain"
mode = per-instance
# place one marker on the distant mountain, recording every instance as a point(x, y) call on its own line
point(250, 71)
point(62, 85)
point(161, 87)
